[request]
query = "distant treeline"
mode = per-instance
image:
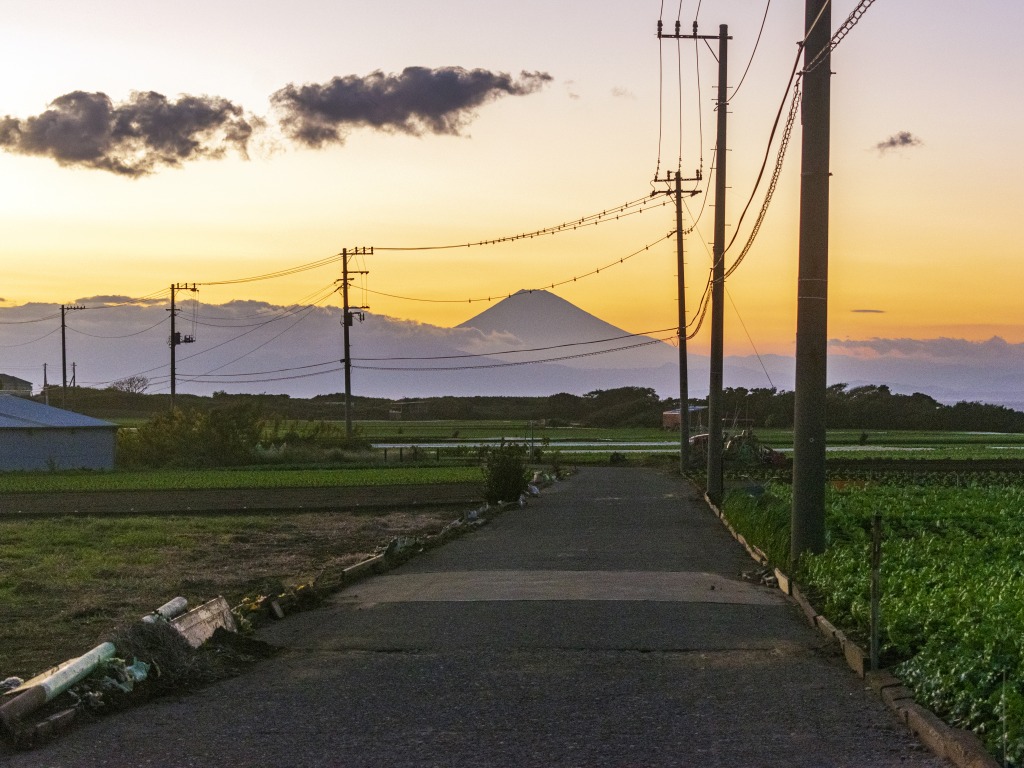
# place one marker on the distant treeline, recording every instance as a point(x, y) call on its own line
point(866, 407)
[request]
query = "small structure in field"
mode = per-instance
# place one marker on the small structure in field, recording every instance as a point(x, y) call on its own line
point(670, 418)
point(12, 385)
point(35, 436)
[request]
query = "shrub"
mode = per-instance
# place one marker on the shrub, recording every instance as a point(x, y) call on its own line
point(505, 472)
point(189, 438)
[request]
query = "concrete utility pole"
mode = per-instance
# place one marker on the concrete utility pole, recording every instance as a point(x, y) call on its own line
point(346, 322)
point(177, 338)
point(808, 513)
point(684, 393)
point(714, 401)
point(684, 389)
point(715, 437)
point(64, 308)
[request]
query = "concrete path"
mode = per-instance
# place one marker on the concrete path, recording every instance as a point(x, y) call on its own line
point(604, 625)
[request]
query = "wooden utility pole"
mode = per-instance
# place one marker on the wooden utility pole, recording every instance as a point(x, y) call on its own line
point(177, 338)
point(808, 512)
point(346, 322)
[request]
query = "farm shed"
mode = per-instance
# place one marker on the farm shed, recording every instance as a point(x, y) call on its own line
point(37, 436)
point(670, 419)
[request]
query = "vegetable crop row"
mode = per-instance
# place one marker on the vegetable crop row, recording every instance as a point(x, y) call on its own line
point(952, 609)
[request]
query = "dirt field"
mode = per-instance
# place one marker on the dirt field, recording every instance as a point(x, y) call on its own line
point(128, 503)
point(75, 566)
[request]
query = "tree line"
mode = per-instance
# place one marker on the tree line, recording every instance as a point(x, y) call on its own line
point(862, 407)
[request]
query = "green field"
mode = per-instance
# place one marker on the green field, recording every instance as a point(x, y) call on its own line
point(952, 609)
point(210, 479)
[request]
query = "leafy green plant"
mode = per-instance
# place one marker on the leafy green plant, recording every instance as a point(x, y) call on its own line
point(505, 472)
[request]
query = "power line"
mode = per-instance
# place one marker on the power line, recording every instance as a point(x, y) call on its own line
point(768, 149)
point(225, 377)
point(784, 144)
point(753, 52)
point(498, 297)
point(220, 380)
point(750, 339)
point(120, 336)
point(312, 299)
point(33, 341)
point(29, 322)
point(510, 364)
point(518, 351)
point(837, 37)
point(263, 344)
point(610, 214)
point(279, 273)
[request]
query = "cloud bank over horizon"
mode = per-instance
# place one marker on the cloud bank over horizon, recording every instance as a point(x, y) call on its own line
point(995, 350)
point(258, 347)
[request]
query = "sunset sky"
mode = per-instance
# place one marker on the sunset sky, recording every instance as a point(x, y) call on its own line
point(558, 119)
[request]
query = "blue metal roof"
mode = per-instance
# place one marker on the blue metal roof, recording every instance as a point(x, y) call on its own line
point(22, 413)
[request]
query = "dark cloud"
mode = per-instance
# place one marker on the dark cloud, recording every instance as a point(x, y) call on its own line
point(417, 101)
point(132, 138)
point(898, 141)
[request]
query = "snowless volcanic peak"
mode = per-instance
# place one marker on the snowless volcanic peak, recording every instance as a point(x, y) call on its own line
point(539, 317)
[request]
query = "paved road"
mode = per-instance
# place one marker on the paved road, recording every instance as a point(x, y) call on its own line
point(604, 625)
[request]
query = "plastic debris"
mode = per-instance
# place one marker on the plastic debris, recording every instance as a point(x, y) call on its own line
point(43, 690)
point(169, 610)
point(10, 684)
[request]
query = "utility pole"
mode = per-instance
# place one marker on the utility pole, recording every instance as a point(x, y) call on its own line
point(714, 468)
point(684, 394)
point(346, 322)
point(64, 309)
point(46, 387)
point(177, 338)
point(715, 437)
point(808, 512)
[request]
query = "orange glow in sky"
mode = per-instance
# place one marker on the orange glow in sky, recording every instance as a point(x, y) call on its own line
point(924, 235)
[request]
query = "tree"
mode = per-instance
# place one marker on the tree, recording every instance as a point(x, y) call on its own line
point(134, 385)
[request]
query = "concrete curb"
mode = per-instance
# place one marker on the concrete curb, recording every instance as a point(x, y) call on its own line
point(962, 748)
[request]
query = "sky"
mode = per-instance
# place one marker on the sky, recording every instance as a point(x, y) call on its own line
point(144, 145)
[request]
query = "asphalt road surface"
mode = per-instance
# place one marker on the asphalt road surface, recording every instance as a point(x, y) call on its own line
point(606, 624)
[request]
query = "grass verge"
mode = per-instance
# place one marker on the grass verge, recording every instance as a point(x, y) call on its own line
point(65, 582)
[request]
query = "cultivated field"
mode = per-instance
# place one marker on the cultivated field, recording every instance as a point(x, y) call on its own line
point(952, 607)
